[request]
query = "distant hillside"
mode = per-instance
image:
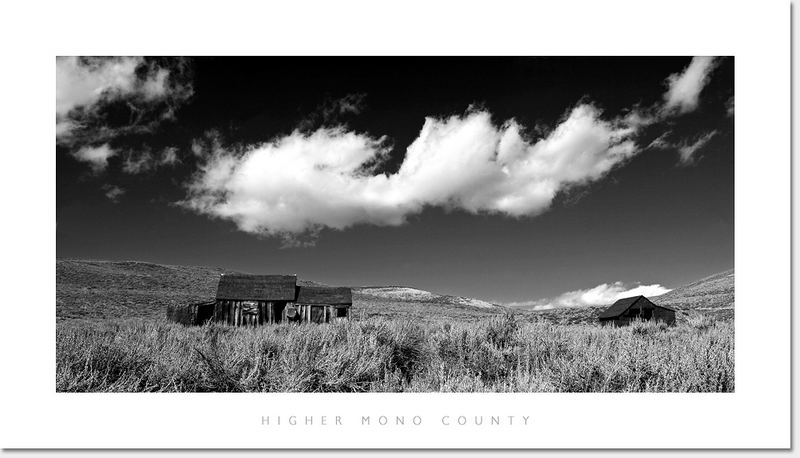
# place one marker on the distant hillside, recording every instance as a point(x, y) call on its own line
point(712, 295)
point(407, 294)
point(108, 289)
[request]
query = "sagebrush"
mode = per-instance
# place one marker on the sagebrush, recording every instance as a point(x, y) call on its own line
point(500, 354)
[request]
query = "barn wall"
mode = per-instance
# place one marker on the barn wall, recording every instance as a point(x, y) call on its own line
point(197, 313)
point(245, 313)
point(320, 313)
point(661, 314)
point(240, 313)
point(180, 314)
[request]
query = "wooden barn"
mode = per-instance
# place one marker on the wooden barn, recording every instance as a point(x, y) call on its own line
point(254, 299)
point(628, 309)
point(323, 304)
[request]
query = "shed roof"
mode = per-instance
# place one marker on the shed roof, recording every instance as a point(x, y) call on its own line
point(324, 295)
point(257, 287)
point(622, 305)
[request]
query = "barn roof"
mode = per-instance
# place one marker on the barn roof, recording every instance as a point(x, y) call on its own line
point(257, 287)
point(619, 307)
point(324, 295)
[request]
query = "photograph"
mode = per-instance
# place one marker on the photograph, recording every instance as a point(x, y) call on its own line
point(395, 224)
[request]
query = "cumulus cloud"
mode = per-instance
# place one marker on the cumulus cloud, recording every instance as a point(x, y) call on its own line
point(604, 294)
point(688, 151)
point(683, 93)
point(96, 156)
point(303, 182)
point(85, 86)
point(324, 175)
point(729, 106)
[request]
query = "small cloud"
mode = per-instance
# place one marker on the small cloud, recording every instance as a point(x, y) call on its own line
point(169, 156)
point(136, 163)
point(683, 93)
point(688, 151)
point(331, 111)
point(96, 156)
point(729, 107)
point(661, 142)
point(113, 192)
point(351, 103)
point(208, 145)
point(144, 161)
point(604, 294)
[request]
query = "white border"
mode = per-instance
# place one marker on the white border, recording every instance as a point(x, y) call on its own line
point(757, 33)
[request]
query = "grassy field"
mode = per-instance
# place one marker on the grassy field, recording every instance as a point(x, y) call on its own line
point(111, 335)
point(501, 354)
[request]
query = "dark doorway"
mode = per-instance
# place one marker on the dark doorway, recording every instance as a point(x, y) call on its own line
point(205, 311)
point(277, 311)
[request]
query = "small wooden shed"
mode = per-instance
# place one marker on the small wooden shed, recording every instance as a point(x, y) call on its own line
point(628, 309)
point(253, 299)
point(323, 304)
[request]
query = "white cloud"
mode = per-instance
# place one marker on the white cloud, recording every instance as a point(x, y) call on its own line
point(85, 84)
point(303, 182)
point(169, 156)
point(604, 294)
point(81, 84)
point(683, 93)
point(688, 150)
point(144, 160)
point(113, 192)
point(729, 106)
point(661, 142)
point(323, 175)
point(138, 163)
point(96, 156)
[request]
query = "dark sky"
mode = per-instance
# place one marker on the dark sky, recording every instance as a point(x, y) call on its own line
point(649, 220)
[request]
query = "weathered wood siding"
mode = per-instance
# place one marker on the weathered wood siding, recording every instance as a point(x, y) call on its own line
point(257, 313)
point(662, 314)
point(321, 313)
point(249, 313)
point(192, 314)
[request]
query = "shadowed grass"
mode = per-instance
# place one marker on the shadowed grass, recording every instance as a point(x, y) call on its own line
point(499, 354)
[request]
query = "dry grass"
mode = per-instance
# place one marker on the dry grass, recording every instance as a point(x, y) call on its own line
point(501, 353)
point(392, 344)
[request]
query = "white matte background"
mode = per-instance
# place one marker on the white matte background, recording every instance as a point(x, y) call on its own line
point(757, 34)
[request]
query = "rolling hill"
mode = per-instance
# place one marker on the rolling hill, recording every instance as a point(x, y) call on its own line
point(98, 290)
